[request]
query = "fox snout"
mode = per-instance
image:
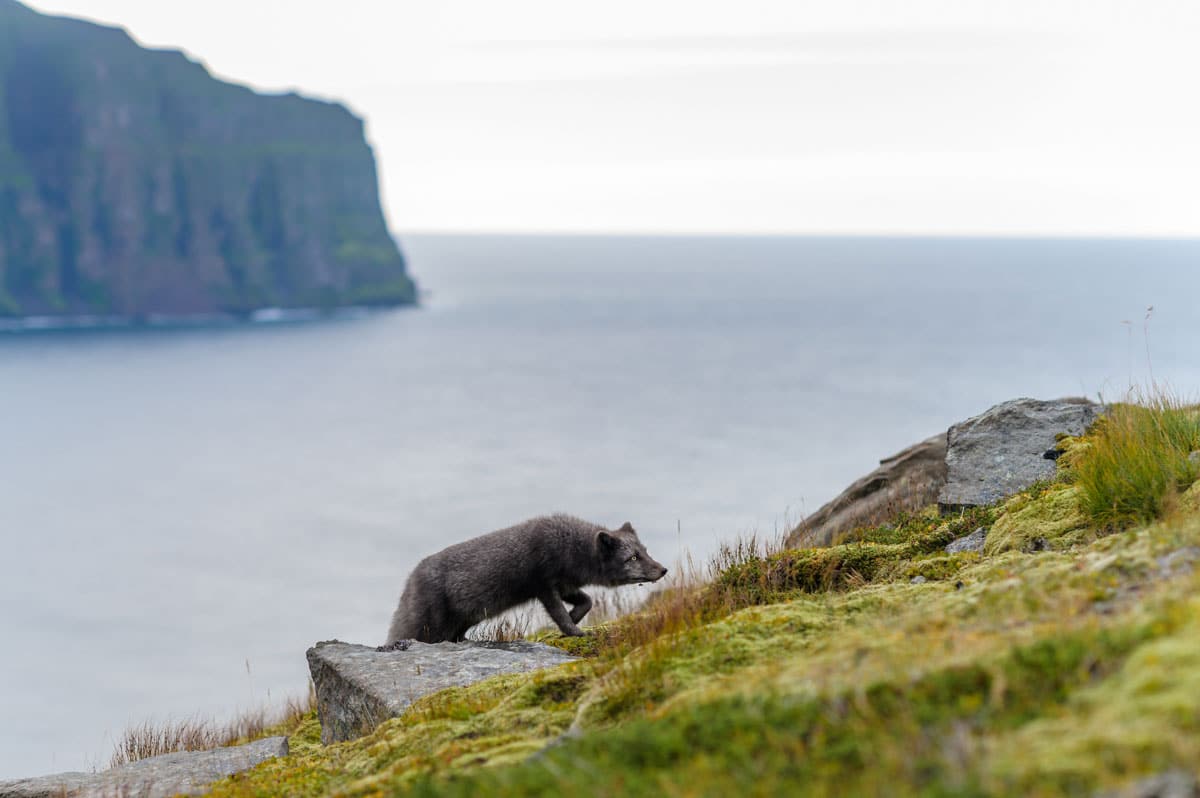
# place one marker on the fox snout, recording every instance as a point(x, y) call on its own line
point(652, 572)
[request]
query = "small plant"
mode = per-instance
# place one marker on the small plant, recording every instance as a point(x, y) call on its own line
point(1138, 460)
point(149, 739)
point(516, 624)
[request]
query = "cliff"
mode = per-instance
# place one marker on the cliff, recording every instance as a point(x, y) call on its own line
point(132, 183)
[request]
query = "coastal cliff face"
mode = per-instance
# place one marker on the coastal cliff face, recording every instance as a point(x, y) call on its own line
point(132, 183)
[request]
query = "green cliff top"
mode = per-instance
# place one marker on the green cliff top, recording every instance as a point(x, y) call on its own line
point(132, 182)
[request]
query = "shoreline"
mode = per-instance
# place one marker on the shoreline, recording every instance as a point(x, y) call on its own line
point(27, 325)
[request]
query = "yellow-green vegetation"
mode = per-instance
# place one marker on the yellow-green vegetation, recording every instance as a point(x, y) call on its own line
point(1139, 462)
point(1063, 660)
point(1051, 520)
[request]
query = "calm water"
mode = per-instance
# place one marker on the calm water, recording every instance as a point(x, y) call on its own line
point(184, 511)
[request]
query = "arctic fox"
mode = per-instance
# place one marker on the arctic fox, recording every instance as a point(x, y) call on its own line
point(547, 558)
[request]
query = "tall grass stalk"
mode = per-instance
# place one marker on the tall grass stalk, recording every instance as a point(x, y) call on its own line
point(1138, 461)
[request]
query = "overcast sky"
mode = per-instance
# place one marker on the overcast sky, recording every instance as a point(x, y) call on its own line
point(826, 116)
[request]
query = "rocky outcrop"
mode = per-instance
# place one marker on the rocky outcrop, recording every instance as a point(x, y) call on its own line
point(133, 183)
point(359, 687)
point(186, 773)
point(977, 461)
point(972, 542)
point(1008, 448)
point(904, 482)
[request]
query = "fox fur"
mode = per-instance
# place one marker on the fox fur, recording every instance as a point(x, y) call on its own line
point(549, 558)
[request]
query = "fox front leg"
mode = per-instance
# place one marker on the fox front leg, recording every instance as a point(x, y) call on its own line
point(581, 604)
point(552, 600)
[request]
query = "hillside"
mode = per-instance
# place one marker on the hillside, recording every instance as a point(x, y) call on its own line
point(133, 183)
point(1061, 658)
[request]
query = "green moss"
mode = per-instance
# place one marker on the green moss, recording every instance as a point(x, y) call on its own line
point(499, 720)
point(1189, 502)
point(891, 736)
point(1072, 450)
point(1144, 717)
point(936, 568)
point(913, 546)
point(926, 531)
point(1031, 522)
point(587, 646)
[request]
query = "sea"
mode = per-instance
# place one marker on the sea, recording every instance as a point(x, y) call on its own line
point(185, 508)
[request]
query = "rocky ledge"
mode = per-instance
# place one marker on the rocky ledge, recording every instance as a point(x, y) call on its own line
point(359, 687)
point(183, 773)
point(987, 457)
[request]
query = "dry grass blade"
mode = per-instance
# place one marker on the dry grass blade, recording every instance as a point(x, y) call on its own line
point(516, 624)
point(692, 596)
point(149, 739)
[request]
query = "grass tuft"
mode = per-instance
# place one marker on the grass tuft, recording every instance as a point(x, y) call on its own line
point(1137, 463)
point(149, 739)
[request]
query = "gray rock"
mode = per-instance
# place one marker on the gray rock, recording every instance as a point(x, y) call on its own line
point(1169, 784)
point(1003, 451)
point(359, 687)
point(972, 542)
point(186, 772)
point(905, 482)
point(1194, 457)
point(918, 580)
point(1178, 562)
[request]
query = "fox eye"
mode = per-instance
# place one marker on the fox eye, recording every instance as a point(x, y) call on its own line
point(631, 559)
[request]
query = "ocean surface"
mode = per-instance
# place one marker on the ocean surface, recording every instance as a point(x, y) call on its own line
point(184, 511)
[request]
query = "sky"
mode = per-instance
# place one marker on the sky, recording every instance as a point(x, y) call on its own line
point(961, 117)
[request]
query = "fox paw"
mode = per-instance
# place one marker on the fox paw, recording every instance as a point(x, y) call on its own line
point(399, 645)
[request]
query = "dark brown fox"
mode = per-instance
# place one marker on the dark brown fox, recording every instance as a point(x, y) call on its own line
point(549, 558)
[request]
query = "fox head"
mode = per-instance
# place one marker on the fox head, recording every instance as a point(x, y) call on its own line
point(624, 560)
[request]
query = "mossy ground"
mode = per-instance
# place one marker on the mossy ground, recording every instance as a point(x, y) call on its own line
point(1063, 660)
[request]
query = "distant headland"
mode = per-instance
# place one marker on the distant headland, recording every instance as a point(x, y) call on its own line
point(134, 185)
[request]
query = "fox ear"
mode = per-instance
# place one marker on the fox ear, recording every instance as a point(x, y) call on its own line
point(606, 542)
point(626, 527)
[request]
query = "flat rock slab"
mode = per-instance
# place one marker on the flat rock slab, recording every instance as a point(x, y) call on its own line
point(186, 773)
point(359, 687)
point(1002, 451)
